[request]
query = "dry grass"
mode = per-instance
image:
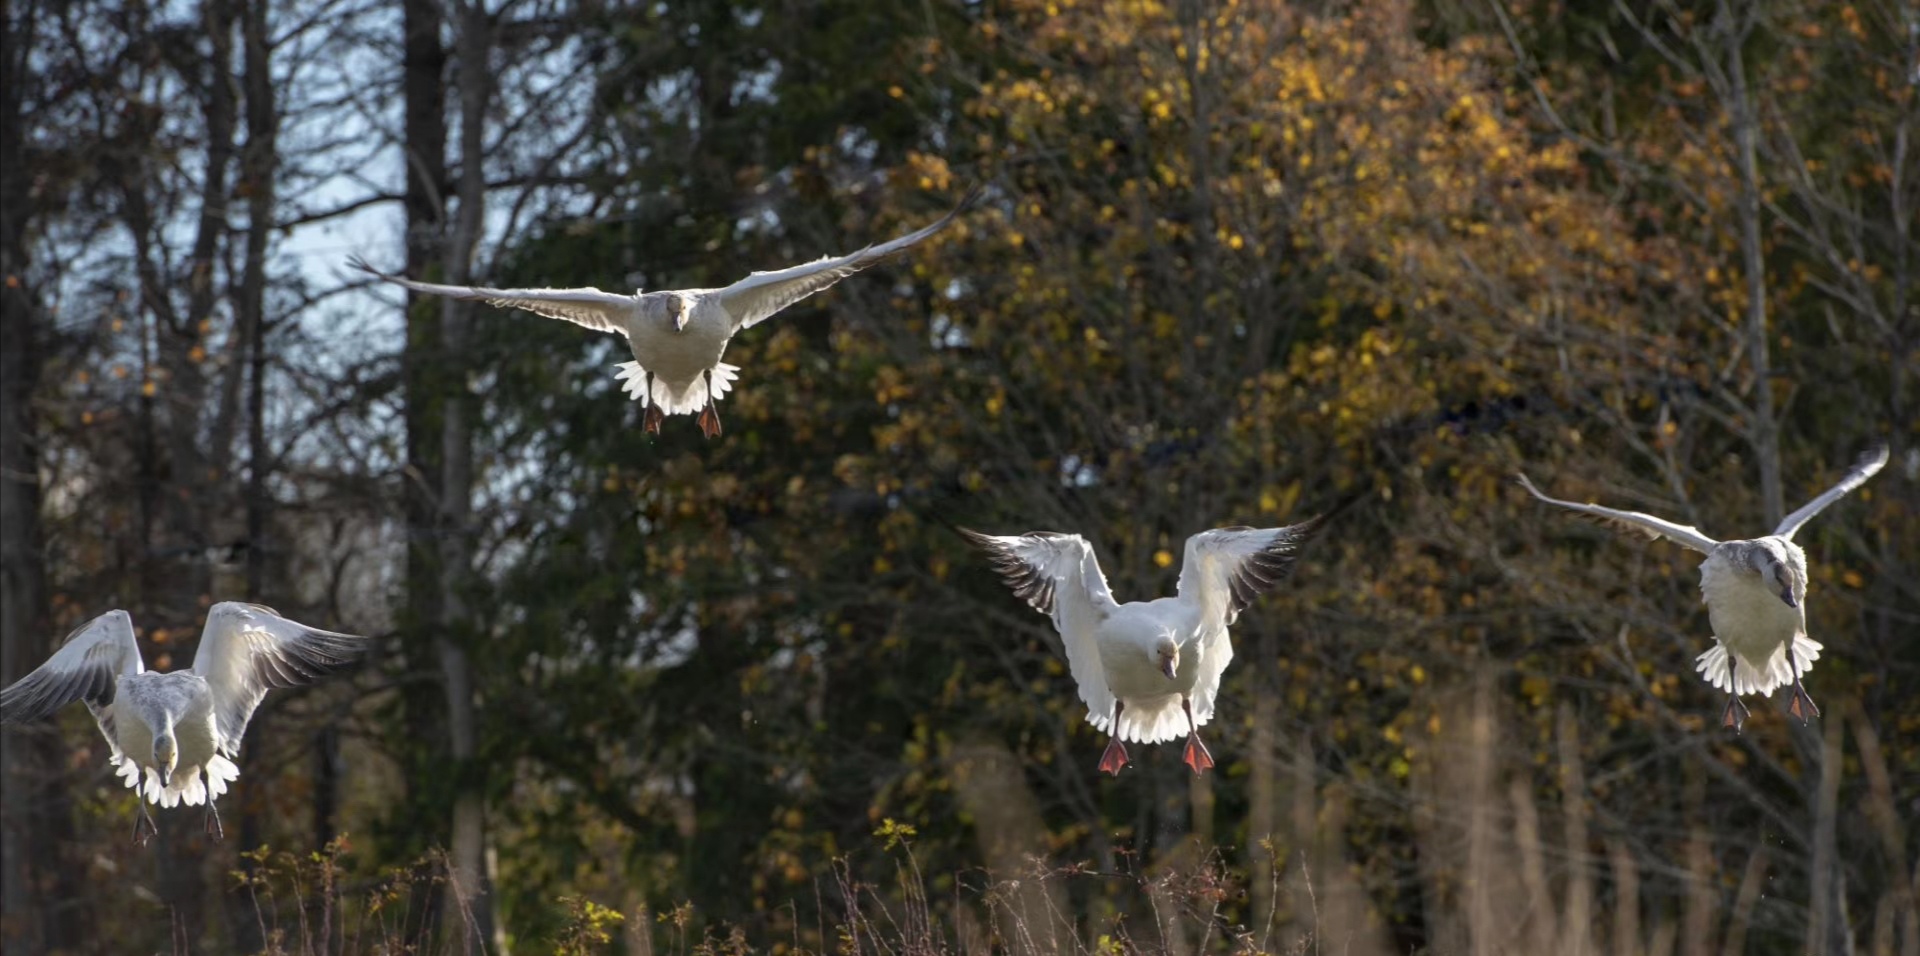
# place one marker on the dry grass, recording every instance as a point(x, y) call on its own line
point(1509, 861)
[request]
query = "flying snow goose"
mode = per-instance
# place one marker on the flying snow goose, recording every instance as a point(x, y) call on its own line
point(166, 732)
point(1148, 670)
point(678, 337)
point(1754, 591)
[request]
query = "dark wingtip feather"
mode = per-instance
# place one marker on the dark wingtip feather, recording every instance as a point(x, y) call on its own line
point(42, 692)
point(971, 199)
point(32, 698)
point(319, 654)
point(355, 262)
point(1266, 568)
point(1027, 582)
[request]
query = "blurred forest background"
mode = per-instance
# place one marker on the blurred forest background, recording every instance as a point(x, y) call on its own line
point(1236, 259)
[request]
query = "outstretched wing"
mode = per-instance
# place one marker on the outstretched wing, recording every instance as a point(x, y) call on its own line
point(1646, 524)
point(1223, 570)
point(1869, 464)
point(86, 667)
point(592, 308)
point(1059, 575)
point(247, 649)
point(754, 298)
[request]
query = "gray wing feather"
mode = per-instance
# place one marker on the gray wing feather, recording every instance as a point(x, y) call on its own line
point(1868, 465)
point(761, 294)
point(1247, 562)
point(248, 649)
point(87, 667)
point(1641, 522)
point(1060, 577)
point(588, 307)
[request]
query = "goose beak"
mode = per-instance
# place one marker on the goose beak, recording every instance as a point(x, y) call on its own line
point(680, 315)
point(1786, 594)
point(166, 776)
point(1167, 666)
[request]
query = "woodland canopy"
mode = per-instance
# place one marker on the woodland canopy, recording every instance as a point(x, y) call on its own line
point(1235, 261)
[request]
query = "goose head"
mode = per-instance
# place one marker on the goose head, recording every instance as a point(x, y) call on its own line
point(682, 311)
point(166, 756)
point(1770, 560)
point(1166, 655)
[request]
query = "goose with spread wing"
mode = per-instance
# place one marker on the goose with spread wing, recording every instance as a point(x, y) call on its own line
point(679, 336)
point(1755, 591)
point(1148, 671)
point(173, 737)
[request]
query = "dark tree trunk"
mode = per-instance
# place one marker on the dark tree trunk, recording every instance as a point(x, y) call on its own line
point(424, 86)
point(257, 167)
point(39, 903)
point(472, 887)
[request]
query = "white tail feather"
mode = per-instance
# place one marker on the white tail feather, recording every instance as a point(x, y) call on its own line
point(188, 787)
point(683, 400)
point(220, 772)
point(1764, 678)
point(126, 770)
point(1150, 722)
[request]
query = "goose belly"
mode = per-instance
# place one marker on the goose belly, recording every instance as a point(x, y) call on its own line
point(1133, 673)
point(195, 739)
point(678, 357)
point(134, 737)
point(1747, 615)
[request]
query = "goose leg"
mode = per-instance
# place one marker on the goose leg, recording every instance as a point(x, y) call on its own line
point(214, 829)
point(651, 418)
point(1196, 754)
point(1116, 755)
point(710, 416)
point(144, 828)
point(1734, 717)
point(1801, 703)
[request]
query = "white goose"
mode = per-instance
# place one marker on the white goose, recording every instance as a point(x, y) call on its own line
point(1148, 670)
point(1754, 591)
point(167, 732)
point(678, 337)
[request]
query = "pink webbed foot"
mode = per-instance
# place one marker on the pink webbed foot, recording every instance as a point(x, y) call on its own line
point(1196, 755)
point(1734, 717)
point(1801, 704)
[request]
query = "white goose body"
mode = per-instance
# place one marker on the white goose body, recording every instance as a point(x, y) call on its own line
point(173, 737)
point(1127, 641)
point(678, 358)
point(678, 337)
point(1766, 637)
point(1755, 591)
point(1148, 671)
point(181, 703)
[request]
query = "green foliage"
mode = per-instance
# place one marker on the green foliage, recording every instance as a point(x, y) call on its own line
point(588, 923)
point(1236, 261)
point(895, 833)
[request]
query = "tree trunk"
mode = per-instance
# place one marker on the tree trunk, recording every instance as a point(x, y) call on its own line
point(1764, 430)
point(257, 166)
point(424, 84)
point(1261, 785)
point(456, 489)
point(38, 903)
